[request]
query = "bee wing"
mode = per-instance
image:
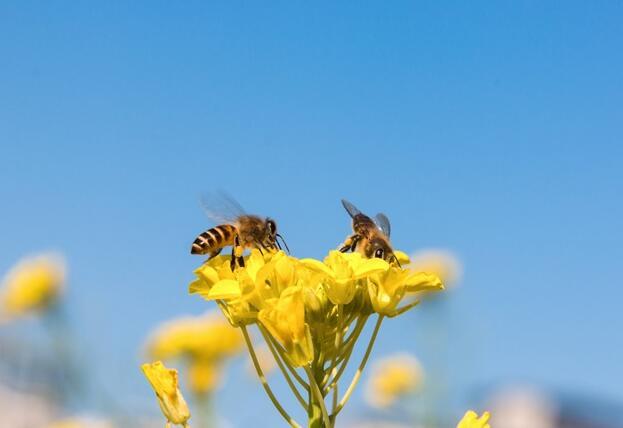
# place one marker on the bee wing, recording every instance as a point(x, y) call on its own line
point(382, 222)
point(350, 208)
point(221, 208)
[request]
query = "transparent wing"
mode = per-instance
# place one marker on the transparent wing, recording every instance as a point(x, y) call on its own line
point(221, 207)
point(382, 222)
point(350, 208)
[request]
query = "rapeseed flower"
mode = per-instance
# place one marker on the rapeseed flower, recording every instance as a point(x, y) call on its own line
point(32, 286)
point(310, 313)
point(392, 378)
point(442, 263)
point(165, 385)
point(472, 420)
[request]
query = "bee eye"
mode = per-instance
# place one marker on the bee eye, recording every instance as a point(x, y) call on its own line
point(272, 227)
point(379, 253)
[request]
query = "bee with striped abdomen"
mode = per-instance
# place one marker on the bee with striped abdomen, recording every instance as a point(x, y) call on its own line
point(370, 236)
point(240, 231)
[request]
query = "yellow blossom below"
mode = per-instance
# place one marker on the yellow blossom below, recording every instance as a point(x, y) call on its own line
point(164, 383)
point(392, 378)
point(32, 286)
point(471, 420)
point(203, 342)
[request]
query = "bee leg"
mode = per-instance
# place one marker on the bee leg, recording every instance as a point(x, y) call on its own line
point(232, 263)
point(350, 243)
point(238, 249)
point(236, 254)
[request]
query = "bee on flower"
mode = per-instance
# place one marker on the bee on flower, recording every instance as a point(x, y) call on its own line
point(32, 286)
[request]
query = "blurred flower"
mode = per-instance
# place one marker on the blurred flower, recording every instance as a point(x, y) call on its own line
point(392, 378)
point(521, 406)
point(164, 383)
point(471, 420)
point(33, 285)
point(204, 342)
point(25, 409)
point(442, 263)
point(81, 422)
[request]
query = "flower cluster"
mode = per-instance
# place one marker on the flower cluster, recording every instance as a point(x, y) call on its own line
point(311, 313)
point(204, 343)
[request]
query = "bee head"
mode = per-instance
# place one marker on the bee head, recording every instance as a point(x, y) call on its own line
point(380, 249)
point(271, 227)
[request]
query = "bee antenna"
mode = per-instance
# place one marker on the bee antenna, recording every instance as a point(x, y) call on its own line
point(396, 260)
point(284, 242)
point(278, 245)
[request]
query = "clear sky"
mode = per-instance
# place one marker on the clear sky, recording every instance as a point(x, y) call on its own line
point(493, 129)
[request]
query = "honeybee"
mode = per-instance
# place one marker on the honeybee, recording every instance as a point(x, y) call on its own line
point(239, 230)
point(370, 236)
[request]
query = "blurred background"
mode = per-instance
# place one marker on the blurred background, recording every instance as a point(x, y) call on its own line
point(491, 132)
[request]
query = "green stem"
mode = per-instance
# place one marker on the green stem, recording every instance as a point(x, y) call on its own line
point(284, 371)
point(288, 362)
point(345, 357)
point(362, 365)
point(260, 374)
point(317, 401)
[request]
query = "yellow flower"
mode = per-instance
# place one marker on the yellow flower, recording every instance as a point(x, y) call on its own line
point(442, 263)
point(216, 281)
point(402, 257)
point(471, 420)
point(205, 342)
point(392, 378)
point(284, 318)
point(312, 311)
point(164, 383)
point(33, 285)
point(340, 272)
point(206, 336)
point(389, 287)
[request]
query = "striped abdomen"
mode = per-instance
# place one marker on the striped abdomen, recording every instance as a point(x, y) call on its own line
point(213, 240)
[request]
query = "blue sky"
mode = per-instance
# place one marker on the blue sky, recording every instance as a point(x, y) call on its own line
point(491, 129)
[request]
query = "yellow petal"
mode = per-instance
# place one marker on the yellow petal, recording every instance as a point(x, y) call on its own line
point(471, 420)
point(317, 266)
point(421, 281)
point(369, 266)
point(403, 258)
point(164, 383)
point(224, 289)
